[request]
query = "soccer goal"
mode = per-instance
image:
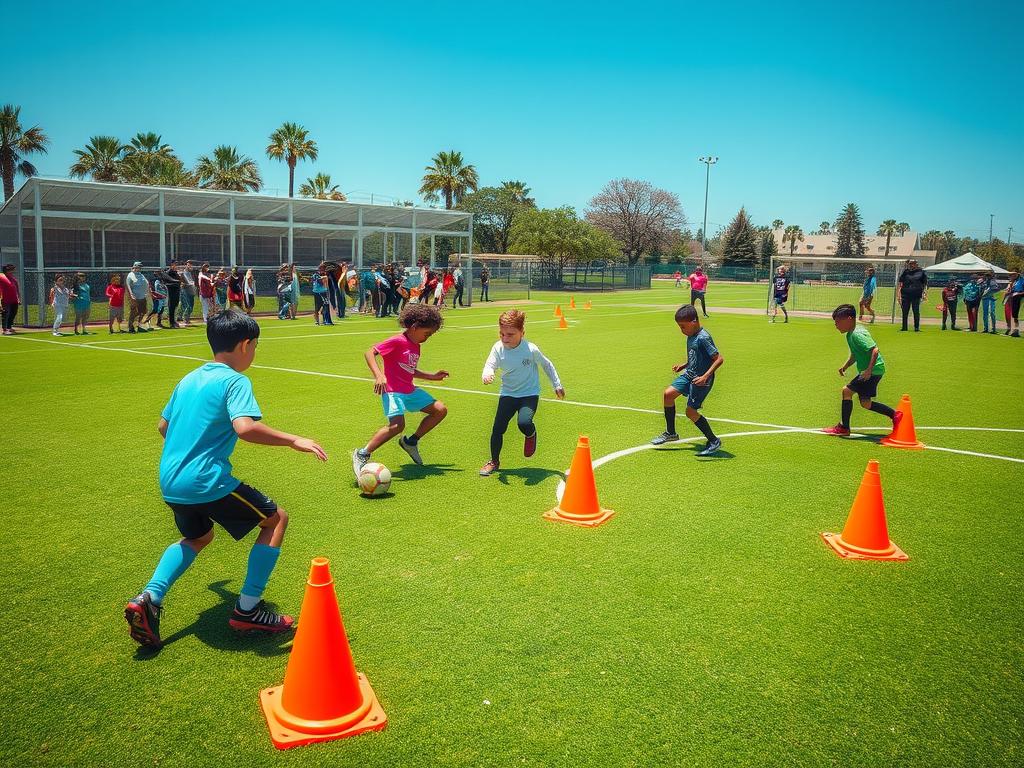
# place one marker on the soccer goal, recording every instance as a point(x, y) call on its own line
point(822, 283)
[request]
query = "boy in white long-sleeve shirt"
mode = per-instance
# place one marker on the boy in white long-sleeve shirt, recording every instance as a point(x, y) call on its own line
point(519, 361)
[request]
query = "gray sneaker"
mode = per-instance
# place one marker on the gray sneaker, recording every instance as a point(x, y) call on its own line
point(665, 437)
point(359, 459)
point(412, 450)
point(711, 448)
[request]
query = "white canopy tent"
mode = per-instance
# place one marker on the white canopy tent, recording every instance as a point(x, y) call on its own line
point(966, 263)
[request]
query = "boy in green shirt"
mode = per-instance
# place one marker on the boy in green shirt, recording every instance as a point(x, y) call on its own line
point(870, 368)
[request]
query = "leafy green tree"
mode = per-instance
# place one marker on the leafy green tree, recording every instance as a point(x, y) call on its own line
point(494, 209)
point(769, 249)
point(228, 170)
point(739, 242)
point(15, 143)
point(637, 214)
point(850, 233)
point(320, 187)
point(448, 176)
point(291, 143)
point(520, 192)
point(100, 160)
point(560, 239)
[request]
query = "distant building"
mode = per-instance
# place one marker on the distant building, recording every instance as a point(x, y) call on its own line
point(906, 246)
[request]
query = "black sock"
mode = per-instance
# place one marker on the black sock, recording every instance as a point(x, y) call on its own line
point(670, 418)
point(703, 426)
point(785, 313)
point(412, 439)
point(885, 410)
point(847, 411)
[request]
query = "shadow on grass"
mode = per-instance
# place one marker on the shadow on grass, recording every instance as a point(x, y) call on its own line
point(418, 472)
point(530, 475)
point(211, 627)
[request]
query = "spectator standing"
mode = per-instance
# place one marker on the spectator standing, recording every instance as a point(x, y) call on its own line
point(459, 283)
point(990, 287)
point(60, 296)
point(911, 289)
point(249, 291)
point(1012, 299)
point(485, 284)
point(173, 282)
point(950, 296)
point(115, 295)
point(158, 291)
point(138, 292)
point(10, 298)
point(207, 292)
point(235, 289)
point(972, 301)
point(188, 293)
point(82, 303)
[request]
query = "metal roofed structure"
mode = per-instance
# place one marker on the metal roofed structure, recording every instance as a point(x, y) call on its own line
point(50, 223)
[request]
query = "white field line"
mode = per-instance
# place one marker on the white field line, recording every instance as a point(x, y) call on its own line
point(772, 427)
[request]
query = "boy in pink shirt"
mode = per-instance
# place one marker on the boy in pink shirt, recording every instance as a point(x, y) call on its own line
point(398, 393)
point(698, 284)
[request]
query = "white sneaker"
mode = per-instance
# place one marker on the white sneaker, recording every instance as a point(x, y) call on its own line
point(412, 450)
point(359, 459)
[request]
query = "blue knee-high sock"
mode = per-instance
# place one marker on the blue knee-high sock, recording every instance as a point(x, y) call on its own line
point(173, 562)
point(262, 560)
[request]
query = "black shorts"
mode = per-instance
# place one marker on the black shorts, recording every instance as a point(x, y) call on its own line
point(237, 513)
point(864, 388)
point(1015, 307)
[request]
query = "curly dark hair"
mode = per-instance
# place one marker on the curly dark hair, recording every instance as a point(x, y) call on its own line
point(420, 316)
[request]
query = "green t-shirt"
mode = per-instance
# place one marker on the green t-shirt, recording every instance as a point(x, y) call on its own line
point(861, 344)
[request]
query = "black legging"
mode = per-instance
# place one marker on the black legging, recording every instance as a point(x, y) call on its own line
point(949, 308)
point(458, 294)
point(10, 312)
point(321, 308)
point(696, 296)
point(972, 313)
point(911, 301)
point(173, 297)
point(524, 408)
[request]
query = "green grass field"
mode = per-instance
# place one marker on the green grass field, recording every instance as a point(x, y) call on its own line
point(705, 624)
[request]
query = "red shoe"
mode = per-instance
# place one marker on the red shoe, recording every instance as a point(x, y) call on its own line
point(530, 445)
point(838, 430)
point(260, 618)
point(896, 419)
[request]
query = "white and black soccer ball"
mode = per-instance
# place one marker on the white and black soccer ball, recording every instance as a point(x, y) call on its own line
point(374, 479)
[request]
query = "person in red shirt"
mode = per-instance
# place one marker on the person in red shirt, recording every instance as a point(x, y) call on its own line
point(698, 285)
point(10, 298)
point(115, 292)
point(678, 277)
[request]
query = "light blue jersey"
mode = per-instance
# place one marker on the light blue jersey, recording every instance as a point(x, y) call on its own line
point(520, 376)
point(194, 465)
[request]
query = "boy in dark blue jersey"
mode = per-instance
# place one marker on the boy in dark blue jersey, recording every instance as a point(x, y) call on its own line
point(780, 287)
point(696, 377)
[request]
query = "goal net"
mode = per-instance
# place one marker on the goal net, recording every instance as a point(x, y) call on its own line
point(822, 283)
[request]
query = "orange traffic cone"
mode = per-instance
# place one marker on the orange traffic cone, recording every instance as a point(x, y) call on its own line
point(904, 435)
point(572, 302)
point(323, 697)
point(562, 324)
point(866, 535)
point(579, 504)
point(588, 305)
point(558, 310)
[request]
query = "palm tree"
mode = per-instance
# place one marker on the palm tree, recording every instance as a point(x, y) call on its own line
point(825, 228)
point(145, 158)
point(520, 192)
point(903, 227)
point(171, 172)
point(792, 234)
point(320, 187)
point(101, 159)
point(228, 170)
point(889, 227)
point(778, 224)
point(291, 143)
point(16, 141)
point(450, 177)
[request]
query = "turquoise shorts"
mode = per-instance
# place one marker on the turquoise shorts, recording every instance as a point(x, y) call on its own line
point(398, 403)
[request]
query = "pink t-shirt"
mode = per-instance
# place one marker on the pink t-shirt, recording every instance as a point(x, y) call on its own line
point(698, 282)
point(400, 359)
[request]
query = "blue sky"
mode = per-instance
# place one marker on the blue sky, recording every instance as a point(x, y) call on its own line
point(913, 110)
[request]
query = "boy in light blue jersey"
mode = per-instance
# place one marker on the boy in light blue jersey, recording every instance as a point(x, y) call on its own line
point(519, 361)
point(208, 411)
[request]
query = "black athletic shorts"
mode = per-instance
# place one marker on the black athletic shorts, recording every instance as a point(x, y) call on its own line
point(237, 513)
point(864, 388)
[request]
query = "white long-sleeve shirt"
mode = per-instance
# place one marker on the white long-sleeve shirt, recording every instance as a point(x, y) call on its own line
point(519, 369)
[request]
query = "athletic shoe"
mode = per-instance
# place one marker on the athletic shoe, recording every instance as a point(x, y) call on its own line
point(530, 445)
point(260, 618)
point(413, 449)
point(55, 333)
point(838, 429)
point(143, 616)
point(489, 468)
point(359, 459)
point(896, 419)
point(665, 437)
point(711, 448)
point(1015, 335)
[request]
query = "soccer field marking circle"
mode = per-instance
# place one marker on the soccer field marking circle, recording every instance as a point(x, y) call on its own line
point(771, 428)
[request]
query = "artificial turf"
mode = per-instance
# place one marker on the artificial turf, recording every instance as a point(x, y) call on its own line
point(705, 624)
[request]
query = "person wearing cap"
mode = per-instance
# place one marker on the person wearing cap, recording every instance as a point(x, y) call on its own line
point(911, 288)
point(188, 294)
point(990, 289)
point(1012, 300)
point(172, 281)
point(138, 292)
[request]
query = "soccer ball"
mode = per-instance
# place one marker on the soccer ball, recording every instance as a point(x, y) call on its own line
point(374, 479)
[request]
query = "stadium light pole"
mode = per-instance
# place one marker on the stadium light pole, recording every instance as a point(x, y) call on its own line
point(991, 217)
point(708, 161)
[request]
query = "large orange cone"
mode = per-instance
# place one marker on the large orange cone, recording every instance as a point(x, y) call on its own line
point(572, 302)
point(558, 310)
point(866, 535)
point(562, 324)
point(904, 436)
point(579, 504)
point(323, 697)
